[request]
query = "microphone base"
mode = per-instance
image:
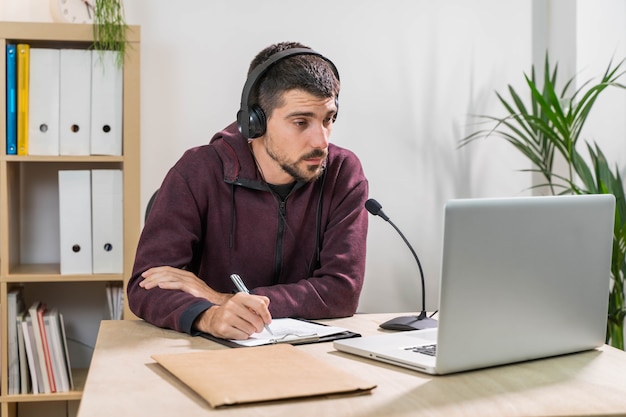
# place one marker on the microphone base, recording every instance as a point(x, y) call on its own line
point(405, 323)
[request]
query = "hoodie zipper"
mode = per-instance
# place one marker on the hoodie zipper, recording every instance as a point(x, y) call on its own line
point(282, 214)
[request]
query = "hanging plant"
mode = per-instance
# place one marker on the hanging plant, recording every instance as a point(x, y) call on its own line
point(110, 28)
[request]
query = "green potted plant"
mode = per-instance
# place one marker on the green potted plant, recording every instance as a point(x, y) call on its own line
point(549, 125)
point(110, 27)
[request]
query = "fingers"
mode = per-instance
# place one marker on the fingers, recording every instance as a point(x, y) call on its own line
point(228, 324)
point(252, 308)
point(258, 304)
point(240, 317)
point(165, 275)
point(170, 278)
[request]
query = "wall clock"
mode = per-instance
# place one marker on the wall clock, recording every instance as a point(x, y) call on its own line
point(73, 11)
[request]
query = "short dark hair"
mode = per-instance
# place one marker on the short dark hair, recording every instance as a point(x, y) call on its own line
point(309, 73)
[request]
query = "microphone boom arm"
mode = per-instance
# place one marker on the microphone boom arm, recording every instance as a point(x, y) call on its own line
point(404, 322)
point(419, 265)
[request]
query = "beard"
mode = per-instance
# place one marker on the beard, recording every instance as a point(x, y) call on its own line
point(299, 169)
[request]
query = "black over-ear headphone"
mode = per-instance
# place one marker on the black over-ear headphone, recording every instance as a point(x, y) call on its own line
point(251, 119)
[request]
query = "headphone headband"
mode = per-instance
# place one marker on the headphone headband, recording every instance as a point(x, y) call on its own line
point(251, 119)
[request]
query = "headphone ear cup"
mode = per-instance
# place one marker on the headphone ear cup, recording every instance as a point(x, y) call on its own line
point(337, 106)
point(257, 123)
point(242, 123)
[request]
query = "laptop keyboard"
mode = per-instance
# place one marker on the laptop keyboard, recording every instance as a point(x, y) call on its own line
point(430, 350)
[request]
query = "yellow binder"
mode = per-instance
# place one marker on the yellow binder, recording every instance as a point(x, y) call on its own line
point(23, 73)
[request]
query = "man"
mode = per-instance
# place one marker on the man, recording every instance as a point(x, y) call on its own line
point(268, 199)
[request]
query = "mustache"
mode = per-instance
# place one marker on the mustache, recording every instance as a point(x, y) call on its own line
point(315, 153)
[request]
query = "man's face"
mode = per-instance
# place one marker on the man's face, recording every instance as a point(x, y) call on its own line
point(298, 134)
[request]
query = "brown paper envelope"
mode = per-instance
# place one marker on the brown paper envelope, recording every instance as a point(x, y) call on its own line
point(256, 374)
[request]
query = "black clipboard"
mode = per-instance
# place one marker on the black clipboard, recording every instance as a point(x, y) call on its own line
point(301, 341)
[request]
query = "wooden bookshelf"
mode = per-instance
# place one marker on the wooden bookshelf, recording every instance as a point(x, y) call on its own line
point(14, 270)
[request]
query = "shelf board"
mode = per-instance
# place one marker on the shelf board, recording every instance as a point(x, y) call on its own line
point(49, 33)
point(52, 273)
point(78, 375)
point(62, 158)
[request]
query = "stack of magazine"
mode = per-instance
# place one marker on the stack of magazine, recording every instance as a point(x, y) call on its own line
point(38, 355)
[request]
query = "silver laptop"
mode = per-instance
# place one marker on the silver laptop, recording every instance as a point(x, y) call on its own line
point(522, 278)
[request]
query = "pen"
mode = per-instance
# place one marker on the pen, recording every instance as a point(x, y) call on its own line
point(242, 288)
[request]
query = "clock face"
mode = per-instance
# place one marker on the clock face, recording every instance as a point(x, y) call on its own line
point(73, 11)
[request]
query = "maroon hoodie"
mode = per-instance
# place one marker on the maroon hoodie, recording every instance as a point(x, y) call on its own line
point(215, 216)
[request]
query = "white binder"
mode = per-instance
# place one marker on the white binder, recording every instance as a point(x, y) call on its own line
point(106, 104)
point(107, 221)
point(75, 102)
point(75, 221)
point(43, 119)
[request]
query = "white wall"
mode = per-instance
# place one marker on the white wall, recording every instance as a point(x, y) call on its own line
point(601, 37)
point(413, 71)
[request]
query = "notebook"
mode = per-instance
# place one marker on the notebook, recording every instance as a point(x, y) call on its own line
point(522, 278)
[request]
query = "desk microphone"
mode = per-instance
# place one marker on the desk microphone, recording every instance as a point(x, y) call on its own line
point(404, 322)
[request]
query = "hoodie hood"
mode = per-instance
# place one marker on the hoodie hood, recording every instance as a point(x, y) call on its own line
point(239, 167)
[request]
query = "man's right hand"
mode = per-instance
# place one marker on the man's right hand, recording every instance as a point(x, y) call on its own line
point(239, 317)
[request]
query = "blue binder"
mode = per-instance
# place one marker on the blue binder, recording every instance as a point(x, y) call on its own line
point(11, 82)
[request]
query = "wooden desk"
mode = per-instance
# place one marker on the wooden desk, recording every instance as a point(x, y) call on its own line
point(124, 381)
